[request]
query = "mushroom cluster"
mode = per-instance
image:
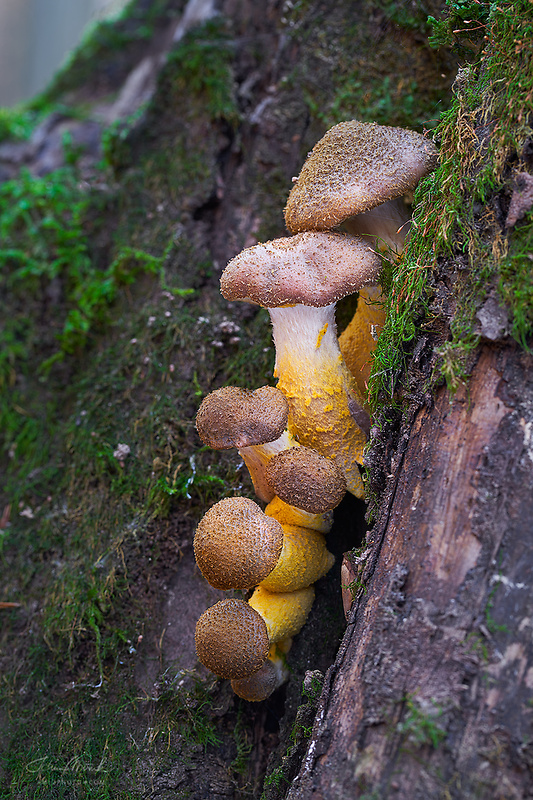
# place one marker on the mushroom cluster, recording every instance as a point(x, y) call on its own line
point(302, 441)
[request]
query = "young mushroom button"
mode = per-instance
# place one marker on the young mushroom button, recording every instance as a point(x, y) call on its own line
point(233, 638)
point(299, 279)
point(262, 683)
point(306, 479)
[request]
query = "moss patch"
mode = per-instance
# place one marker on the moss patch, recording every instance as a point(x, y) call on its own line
point(457, 211)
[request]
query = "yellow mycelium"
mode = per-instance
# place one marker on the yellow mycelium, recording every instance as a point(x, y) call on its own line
point(284, 613)
point(303, 560)
point(321, 391)
point(290, 515)
point(358, 341)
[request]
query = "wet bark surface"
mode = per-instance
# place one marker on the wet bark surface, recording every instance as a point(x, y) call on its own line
point(430, 695)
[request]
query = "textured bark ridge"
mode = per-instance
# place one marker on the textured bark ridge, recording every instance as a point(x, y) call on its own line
point(431, 692)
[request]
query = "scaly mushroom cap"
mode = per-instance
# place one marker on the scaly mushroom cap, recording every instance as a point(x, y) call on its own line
point(284, 613)
point(232, 639)
point(311, 269)
point(235, 417)
point(236, 545)
point(353, 168)
point(306, 479)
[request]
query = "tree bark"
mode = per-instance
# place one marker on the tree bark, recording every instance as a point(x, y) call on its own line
point(430, 694)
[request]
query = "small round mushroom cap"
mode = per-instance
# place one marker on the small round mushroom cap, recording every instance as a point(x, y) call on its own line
point(306, 479)
point(353, 168)
point(310, 269)
point(236, 545)
point(232, 639)
point(262, 683)
point(235, 417)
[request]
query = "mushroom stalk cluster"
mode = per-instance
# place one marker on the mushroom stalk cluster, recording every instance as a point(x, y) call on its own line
point(302, 441)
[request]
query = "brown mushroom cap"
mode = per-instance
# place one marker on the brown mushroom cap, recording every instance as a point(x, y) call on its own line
point(235, 417)
point(306, 479)
point(311, 269)
point(236, 545)
point(353, 168)
point(260, 685)
point(232, 639)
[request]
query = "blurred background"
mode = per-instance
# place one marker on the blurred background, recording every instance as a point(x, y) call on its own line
point(37, 35)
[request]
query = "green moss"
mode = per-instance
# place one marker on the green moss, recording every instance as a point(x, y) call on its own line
point(46, 250)
point(58, 763)
point(17, 122)
point(516, 280)
point(185, 709)
point(420, 726)
point(108, 51)
point(201, 66)
point(479, 136)
point(462, 28)
point(373, 79)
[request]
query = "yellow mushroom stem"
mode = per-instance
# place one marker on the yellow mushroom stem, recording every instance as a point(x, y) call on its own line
point(358, 341)
point(304, 559)
point(326, 408)
point(257, 456)
point(284, 613)
point(290, 515)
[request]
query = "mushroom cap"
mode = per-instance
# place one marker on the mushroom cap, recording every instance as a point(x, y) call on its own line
point(232, 639)
point(311, 269)
point(353, 168)
point(306, 479)
point(235, 417)
point(236, 544)
point(262, 683)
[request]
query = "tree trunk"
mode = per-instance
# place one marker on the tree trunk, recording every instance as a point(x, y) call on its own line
point(430, 694)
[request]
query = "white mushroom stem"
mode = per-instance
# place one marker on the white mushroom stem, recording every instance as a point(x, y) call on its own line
point(385, 226)
point(326, 409)
point(257, 456)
